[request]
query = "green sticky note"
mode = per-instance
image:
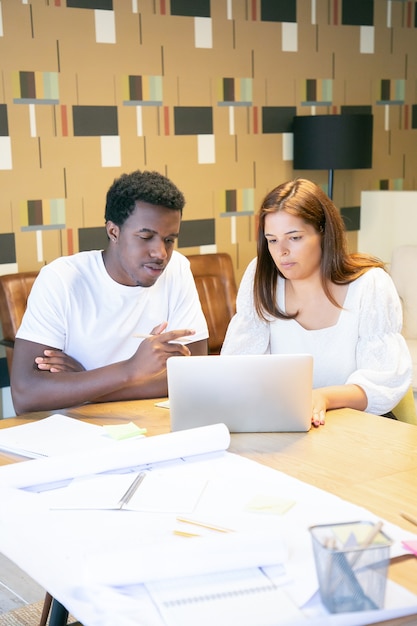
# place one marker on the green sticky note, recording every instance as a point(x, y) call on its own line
point(124, 431)
point(263, 503)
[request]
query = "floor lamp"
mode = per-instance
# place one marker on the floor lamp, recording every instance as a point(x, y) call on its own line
point(332, 142)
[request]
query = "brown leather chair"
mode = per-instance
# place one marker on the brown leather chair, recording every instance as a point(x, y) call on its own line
point(14, 291)
point(216, 285)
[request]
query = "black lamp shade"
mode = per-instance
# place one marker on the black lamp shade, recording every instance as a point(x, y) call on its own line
point(327, 142)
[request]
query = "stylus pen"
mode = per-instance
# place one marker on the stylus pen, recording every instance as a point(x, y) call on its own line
point(126, 497)
point(183, 340)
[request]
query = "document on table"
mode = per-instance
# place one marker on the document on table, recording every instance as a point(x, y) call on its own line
point(53, 436)
point(129, 453)
point(208, 579)
point(265, 560)
point(158, 492)
point(244, 597)
point(253, 597)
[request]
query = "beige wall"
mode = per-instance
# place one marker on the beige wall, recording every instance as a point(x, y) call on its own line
point(50, 163)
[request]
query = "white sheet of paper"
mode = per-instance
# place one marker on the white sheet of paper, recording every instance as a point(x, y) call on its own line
point(106, 554)
point(160, 492)
point(53, 436)
point(244, 597)
point(127, 453)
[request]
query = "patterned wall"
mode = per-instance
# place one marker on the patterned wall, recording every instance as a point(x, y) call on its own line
point(204, 91)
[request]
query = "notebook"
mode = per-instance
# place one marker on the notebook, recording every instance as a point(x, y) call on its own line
point(248, 393)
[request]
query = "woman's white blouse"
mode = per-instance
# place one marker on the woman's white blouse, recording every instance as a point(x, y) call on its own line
point(365, 347)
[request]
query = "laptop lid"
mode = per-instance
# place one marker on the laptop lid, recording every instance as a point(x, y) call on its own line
point(248, 393)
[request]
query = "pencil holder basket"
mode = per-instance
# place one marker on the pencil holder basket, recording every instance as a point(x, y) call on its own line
point(351, 570)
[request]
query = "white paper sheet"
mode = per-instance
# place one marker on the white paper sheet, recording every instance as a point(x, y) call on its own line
point(232, 482)
point(190, 557)
point(245, 597)
point(160, 492)
point(124, 454)
point(53, 436)
point(102, 557)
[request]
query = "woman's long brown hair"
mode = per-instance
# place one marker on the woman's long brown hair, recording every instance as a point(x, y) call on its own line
point(306, 200)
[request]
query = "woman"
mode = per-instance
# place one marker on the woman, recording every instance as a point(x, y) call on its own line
point(306, 294)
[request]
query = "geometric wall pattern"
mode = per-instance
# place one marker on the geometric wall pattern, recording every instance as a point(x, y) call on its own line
point(42, 214)
point(7, 248)
point(204, 91)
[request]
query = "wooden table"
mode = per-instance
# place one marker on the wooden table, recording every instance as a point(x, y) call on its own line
point(365, 459)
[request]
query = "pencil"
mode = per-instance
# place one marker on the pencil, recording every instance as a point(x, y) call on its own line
point(409, 518)
point(219, 529)
point(126, 497)
point(182, 533)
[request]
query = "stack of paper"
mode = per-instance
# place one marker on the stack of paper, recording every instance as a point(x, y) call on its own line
point(210, 537)
point(53, 436)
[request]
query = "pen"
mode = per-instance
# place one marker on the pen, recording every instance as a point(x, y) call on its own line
point(126, 497)
point(409, 518)
point(219, 529)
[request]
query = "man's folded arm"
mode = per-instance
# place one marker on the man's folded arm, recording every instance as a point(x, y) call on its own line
point(141, 376)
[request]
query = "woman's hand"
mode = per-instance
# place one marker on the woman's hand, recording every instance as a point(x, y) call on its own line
point(318, 416)
point(336, 397)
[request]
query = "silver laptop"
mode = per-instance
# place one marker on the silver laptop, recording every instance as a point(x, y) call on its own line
point(248, 393)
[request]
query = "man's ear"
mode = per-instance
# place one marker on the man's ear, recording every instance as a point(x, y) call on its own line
point(112, 231)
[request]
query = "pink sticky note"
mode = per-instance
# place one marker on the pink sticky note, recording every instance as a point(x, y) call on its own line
point(410, 545)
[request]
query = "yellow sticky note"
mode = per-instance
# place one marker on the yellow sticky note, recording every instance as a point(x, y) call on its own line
point(351, 535)
point(274, 505)
point(164, 404)
point(124, 431)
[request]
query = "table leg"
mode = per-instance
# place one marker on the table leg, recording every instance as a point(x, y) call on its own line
point(46, 608)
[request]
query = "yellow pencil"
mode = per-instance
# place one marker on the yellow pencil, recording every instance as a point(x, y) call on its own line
point(182, 533)
point(219, 529)
point(409, 518)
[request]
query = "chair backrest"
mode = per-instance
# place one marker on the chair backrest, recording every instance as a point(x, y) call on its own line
point(216, 285)
point(14, 291)
point(403, 264)
point(405, 411)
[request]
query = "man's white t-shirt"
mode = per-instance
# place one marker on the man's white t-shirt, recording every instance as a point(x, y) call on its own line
point(75, 306)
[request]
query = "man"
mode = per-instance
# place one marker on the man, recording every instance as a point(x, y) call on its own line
point(79, 340)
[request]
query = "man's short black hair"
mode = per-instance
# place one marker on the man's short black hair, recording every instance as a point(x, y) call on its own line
point(151, 187)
